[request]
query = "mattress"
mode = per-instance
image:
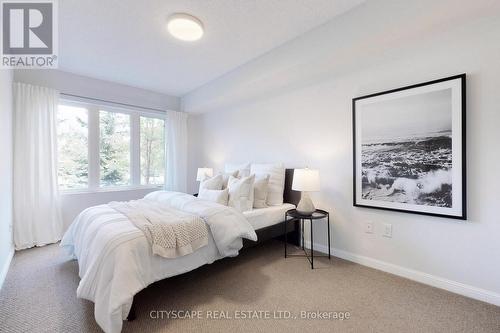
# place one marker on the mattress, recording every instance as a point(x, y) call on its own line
point(263, 217)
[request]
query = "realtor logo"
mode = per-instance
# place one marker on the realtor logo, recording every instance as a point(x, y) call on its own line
point(29, 34)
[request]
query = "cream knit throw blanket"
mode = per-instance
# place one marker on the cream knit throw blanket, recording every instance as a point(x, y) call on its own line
point(172, 233)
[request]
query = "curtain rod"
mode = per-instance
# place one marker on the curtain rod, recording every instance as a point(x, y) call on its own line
point(112, 102)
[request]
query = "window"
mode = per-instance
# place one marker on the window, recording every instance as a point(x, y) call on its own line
point(114, 148)
point(107, 147)
point(72, 138)
point(152, 151)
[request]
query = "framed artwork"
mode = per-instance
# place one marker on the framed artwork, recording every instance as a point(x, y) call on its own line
point(409, 149)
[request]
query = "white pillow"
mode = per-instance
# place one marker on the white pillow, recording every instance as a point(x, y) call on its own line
point(217, 196)
point(241, 193)
point(243, 169)
point(260, 190)
point(276, 187)
point(213, 183)
point(225, 177)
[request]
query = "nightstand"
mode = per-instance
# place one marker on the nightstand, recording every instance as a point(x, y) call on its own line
point(319, 214)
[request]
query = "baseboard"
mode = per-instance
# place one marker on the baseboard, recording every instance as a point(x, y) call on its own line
point(431, 280)
point(5, 268)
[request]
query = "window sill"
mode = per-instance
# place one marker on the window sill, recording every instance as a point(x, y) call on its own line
point(109, 189)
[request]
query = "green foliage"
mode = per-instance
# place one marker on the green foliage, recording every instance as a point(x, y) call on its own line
point(152, 151)
point(114, 148)
point(72, 147)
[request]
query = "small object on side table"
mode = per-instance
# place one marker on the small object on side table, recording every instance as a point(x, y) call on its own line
point(318, 214)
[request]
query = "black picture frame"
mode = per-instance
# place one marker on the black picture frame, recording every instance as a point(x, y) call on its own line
point(462, 214)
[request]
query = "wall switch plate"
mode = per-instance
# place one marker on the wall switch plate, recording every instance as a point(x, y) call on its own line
point(387, 230)
point(369, 227)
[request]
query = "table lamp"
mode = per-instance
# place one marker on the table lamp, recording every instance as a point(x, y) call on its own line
point(305, 180)
point(204, 173)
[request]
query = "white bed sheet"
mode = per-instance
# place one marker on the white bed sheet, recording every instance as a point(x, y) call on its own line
point(115, 259)
point(264, 217)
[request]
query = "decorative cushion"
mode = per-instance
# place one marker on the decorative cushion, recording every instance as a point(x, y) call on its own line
point(211, 183)
point(241, 193)
point(276, 187)
point(225, 177)
point(243, 169)
point(218, 196)
point(260, 190)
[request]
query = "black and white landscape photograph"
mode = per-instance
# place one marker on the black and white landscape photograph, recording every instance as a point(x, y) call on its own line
point(405, 151)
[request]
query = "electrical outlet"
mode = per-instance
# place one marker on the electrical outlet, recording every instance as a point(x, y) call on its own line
point(369, 227)
point(387, 230)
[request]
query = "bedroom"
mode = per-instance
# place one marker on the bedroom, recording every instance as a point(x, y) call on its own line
point(380, 114)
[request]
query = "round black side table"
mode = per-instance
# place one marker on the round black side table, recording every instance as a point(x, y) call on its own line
point(293, 215)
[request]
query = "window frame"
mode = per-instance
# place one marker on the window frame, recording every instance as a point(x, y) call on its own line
point(94, 167)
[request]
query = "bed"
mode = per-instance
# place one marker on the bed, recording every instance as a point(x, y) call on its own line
point(115, 259)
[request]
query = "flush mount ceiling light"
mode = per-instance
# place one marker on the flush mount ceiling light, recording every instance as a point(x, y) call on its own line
point(185, 27)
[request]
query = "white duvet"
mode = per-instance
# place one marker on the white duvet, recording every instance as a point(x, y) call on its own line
point(115, 259)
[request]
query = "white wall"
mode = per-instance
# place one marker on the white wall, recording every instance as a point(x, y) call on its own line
point(6, 245)
point(73, 204)
point(294, 105)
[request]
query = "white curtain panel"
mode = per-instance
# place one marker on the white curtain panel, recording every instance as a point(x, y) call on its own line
point(176, 141)
point(37, 217)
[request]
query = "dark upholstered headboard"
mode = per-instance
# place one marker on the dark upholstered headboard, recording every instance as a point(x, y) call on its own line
point(290, 196)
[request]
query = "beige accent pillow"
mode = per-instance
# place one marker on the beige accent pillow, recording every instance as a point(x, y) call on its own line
point(211, 183)
point(276, 181)
point(217, 196)
point(241, 193)
point(225, 177)
point(260, 190)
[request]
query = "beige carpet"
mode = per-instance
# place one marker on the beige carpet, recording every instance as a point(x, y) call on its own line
point(39, 296)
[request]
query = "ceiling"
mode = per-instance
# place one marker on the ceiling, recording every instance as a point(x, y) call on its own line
point(125, 41)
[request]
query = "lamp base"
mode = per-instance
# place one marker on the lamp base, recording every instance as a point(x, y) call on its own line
point(305, 206)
